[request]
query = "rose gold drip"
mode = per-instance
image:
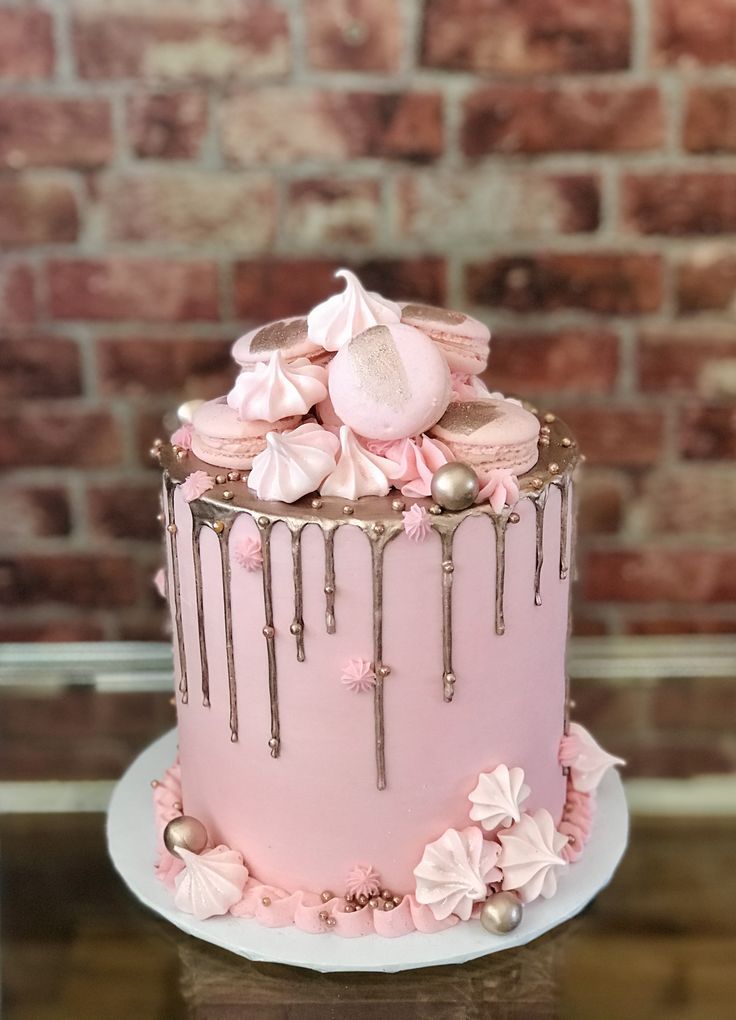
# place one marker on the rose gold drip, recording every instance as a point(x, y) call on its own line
point(499, 524)
point(564, 487)
point(448, 676)
point(224, 537)
point(196, 554)
point(297, 626)
point(540, 502)
point(268, 632)
point(329, 535)
point(178, 627)
point(379, 537)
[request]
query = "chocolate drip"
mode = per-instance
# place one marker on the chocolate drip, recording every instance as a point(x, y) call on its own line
point(224, 537)
point(270, 635)
point(297, 626)
point(175, 594)
point(329, 535)
point(540, 502)
point(564, 487)
point(448, 676)
point(196, 553)
point(378, 544)
point(499, 523)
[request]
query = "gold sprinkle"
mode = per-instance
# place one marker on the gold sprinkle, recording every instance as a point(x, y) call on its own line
point(323, 915)
point(566, 441)
point(537, 483)
point(171, 528)
point(181, 454)
point(398, 504)
point(378, 529)
point(378, 368)
point(385, 894)
point(278, 336)
point(329, 589)
point(373, 903)
point(316, 504)
point(348, 510)
point(397, 900)
point(435, 510)
point(154, 452)
point(326, 896)
point(266, 901)
point(362, 900)
point(514, 518)
point(158, 442)
point(296, 628)
point(233, 476)
point(544, 440)
point(330, 922)
point(349, 908)
point(268, 632)
point(218, 527)
point(154, 784)
point(263, 522)
point(220, 479)
point(467, 416)
point(545, 430)
point(549, 417)
point(273, 742)
point(383, 671)
point(388, 905)
point(227, 494)
point(448, 566)
point(553, 467)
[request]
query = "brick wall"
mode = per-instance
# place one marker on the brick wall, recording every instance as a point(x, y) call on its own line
point(172, 172)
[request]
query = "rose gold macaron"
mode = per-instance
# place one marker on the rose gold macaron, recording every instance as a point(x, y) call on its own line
point(463, 340)
point(220, 438)
point(490, 434)
point(289, 336)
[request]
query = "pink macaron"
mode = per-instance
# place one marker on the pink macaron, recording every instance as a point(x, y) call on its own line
point(220, 438)
point(463, 340)
point(389, 382)
point(289, 336)
point(490, 434)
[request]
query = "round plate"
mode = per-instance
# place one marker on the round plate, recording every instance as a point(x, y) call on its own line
point(131, 841)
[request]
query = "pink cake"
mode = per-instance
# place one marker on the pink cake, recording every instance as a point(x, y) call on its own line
point(369, 636)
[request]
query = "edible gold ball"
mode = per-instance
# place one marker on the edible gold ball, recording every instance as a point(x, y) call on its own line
point(185, 833)
point(454, 486)
point(501, 913)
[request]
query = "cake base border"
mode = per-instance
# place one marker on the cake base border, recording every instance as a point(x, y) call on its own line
point(132, 847)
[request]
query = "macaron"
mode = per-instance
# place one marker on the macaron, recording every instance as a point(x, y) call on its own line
point(490, 434)
point(220, 438)
point(463, 340)
point(286, 335)
point(389, 382)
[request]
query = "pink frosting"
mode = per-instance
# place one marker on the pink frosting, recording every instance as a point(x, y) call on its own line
point(247, 553)
point(182, 437)
point(416, 523)
point(357, 675)
point(531, 855)
point(358, 472)
point(294, 463)
point(211, 882)
point(585, 758)
point(278, 389)
point(577, 822)
point(416, 461)
point(468, 387)
point(498, 796)
point(363, 880)
point(501, 489)
point(195, 485)
point(341, 317)
point(455, 871)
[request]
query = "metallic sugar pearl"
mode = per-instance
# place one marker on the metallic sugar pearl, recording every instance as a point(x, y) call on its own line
point(185, 833)
point(553, 468)
point(316, 504)
point(218, 527)
point(514, 518)
point(227, 494)
point(501, 913)
point(398, 504)
point(549, 417)
point(566, 441)
point(455, 486)
point(220, 479)
point(233, 476)
point(348, 510)
point(268, 631)
point(326, 896)
point(171, 528)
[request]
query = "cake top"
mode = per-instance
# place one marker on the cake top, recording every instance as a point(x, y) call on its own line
point(366, 397)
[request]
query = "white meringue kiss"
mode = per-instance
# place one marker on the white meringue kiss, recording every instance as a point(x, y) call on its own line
point(358, 472)
point(278, 389)
point(341, 317)
point(293, 463)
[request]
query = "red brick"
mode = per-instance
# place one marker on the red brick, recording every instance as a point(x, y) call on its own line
point(559, 361)
point(693, 623)
point(707, 280)
point(78, 579)
point(32, 510)
point(35, 435)
point(584, 625)
point(476, 205)
point(606, 283)
point(39, 367)
point(51, 131)
point(26, 43)
point(526, 36)
point(288, 124)
point(708, 432)
point(710, 119)
point(617, 436)
point(124, 511)
point(221, 39)
point(696, 704)
point(601, 499)
point(192, 208)
point(651, 574)
point(153, 422)
point(699, 361)
point(166, 125)
point(687, 499)
point(153, 290)
point(271, 289)
point(688, 34)
point(680, 204)
point(17, 294)
point(50, 630)
point(354, 35)
point(152, 625)
point(333, 211)
point(675, 758)
point(139, 365)
point(570, 118)
point(606, 707)
point(37, 210)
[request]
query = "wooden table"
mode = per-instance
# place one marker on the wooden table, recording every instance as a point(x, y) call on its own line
point(660, 942)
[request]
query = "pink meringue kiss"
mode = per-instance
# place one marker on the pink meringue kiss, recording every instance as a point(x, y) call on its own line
point(288, 336)
point(358, 472)
point(294, 463)
point(389, 382)
point(278, 389)
point(490, 435)
point(338, 319)
point(463, 340)
point(220, 438)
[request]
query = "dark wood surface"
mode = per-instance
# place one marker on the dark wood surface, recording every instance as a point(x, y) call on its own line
point(660, 942)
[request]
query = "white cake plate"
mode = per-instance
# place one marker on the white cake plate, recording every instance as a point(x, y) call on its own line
point(131, 841)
